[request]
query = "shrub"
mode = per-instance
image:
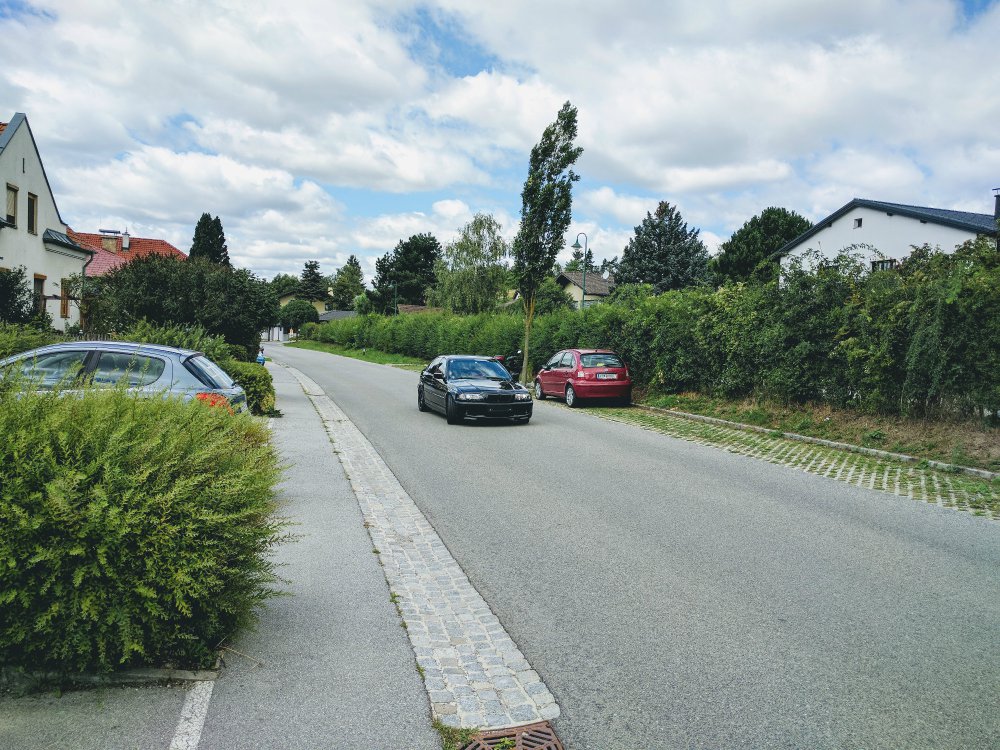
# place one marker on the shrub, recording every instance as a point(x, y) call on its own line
point(256, 381)
point(15, 339)
point(181, 336)
point(135, 531)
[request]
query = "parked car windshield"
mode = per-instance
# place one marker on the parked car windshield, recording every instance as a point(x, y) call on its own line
point(601, 359)
point(476, 369)
point(209, 373)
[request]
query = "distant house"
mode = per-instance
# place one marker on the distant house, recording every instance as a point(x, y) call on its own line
point(32, 233)
point(892, 229)
point(113, 249)
point(598, 286)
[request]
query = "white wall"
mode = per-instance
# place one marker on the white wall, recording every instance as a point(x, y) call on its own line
point(20, 167)
point(893, 236)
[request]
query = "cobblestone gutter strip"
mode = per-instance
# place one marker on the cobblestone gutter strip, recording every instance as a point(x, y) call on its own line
point(474, 673)
point(877, 471)
point(981, 473)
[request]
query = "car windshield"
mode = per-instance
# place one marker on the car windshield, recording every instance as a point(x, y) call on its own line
point(600, 359)
point(477, 369)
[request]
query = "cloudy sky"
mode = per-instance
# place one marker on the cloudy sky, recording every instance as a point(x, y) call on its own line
point(319, 128)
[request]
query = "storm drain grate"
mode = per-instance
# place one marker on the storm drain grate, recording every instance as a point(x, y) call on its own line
point(538, 736)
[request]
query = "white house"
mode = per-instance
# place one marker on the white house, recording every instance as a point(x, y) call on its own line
point(891, 229)
point(32, 233)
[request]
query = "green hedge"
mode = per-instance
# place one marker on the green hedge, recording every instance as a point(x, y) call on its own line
point(256, 381)
point(923, 339)
point(15, 339)
point(135, 531)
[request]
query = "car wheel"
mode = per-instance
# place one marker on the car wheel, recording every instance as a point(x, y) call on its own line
point(571, 400)
point(420, 400)
point(451, 411)
point(626, 400)
point(539, 393)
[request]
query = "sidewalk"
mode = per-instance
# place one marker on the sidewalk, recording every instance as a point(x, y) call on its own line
point(330, 665)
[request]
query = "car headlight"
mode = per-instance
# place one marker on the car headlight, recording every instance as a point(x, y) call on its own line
point(470, 397)
point(522, 397)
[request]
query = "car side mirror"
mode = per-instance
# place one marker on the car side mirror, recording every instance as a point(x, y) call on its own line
point(439, 375)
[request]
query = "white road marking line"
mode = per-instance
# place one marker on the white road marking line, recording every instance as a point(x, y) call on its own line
point(188, 732)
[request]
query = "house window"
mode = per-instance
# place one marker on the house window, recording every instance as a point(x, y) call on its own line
point(39, 292)
point(32, 213)
point(64, 298)
point(883, 265)
point(12, 205)
point(857, 223)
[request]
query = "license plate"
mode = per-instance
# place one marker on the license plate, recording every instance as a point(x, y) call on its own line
point(607, 376)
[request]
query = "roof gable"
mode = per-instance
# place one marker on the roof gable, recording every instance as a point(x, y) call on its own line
point(597, 285)
point(7, 134)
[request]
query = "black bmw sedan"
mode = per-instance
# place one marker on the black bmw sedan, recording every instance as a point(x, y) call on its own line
point(466, 387)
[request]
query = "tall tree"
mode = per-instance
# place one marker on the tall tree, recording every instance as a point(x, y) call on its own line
point(405, 275)
point(749, 253)
point(312, 285)
point(209, 241)
point(664, 253)
point(348, 283)
point(546, 210)
point(472, 277)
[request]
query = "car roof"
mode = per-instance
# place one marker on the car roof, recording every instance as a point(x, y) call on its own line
point(114, 346)
point(592, 351)
point(477, 357)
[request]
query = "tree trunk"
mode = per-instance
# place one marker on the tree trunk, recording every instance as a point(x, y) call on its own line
point(529, 315)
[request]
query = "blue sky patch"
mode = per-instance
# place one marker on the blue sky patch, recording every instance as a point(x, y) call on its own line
point(437, 39)
point(14, 9)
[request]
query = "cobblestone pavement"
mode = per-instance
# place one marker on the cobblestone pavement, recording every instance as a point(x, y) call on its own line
point(912, 480)
point(474, 673)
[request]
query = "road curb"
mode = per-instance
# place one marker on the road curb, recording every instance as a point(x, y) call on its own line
point(952, 468)
point(16, 680)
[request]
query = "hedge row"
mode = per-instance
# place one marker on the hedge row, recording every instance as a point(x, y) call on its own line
point(135, 531)
point(920, 339)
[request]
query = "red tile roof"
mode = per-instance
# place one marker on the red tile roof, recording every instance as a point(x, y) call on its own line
point(138, 247)
point(104, 261)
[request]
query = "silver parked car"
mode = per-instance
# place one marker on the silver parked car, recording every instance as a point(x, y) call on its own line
point(149, 369)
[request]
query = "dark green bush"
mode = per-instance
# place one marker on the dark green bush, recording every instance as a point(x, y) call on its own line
point(135, 531)
point(256, 381)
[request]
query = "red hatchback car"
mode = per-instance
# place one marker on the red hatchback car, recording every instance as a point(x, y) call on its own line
point(576, 374)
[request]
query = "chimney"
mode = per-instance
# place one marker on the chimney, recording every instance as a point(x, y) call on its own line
point(125, 239)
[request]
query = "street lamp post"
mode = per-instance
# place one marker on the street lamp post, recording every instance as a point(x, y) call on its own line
point(576, 246)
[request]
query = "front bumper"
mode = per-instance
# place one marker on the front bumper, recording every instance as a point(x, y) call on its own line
point(487, 410)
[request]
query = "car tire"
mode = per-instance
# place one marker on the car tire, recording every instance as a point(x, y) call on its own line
point(421, 405)
point(571, 400)
point(539, 393)
point(626, 400)
point(451, 411)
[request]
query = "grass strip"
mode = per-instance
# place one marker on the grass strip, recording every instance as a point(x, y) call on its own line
point(366, 355)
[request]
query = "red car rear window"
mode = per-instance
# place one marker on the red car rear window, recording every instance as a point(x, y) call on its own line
point(600, 360)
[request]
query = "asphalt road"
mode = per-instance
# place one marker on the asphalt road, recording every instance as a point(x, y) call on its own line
point(673, 595)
